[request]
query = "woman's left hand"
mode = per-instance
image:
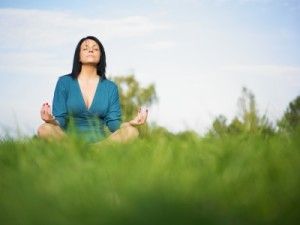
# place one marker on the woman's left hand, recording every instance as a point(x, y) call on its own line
point(141, 117)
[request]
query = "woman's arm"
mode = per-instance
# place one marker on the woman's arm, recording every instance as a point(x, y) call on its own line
point(113, 118)
point(60, 103)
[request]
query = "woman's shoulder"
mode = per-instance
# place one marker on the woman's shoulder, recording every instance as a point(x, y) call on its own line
point(64, 80)
point(65, 77)
point(109, 83)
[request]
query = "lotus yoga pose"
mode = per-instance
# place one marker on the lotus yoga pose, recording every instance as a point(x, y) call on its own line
point(87, 101)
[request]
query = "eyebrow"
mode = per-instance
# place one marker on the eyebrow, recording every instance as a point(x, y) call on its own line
point(92, 46)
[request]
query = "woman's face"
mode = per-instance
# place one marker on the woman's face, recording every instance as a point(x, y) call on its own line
point(89, 52)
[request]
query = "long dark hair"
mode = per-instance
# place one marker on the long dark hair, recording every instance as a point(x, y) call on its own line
point(101, 66)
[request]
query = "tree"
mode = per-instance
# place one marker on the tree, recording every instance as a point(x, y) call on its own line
point(248, 119)
point(236, 126)
point(247, 110)
point(132, 95)
point(219, 127)
point(291, 118)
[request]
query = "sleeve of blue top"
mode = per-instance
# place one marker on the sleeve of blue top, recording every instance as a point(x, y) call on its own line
point(59, 103)
point(113, 117)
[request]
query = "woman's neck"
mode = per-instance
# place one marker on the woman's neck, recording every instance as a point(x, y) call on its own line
point(88, 72)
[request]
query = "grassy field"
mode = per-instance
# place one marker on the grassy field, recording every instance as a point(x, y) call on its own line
point(165, 179)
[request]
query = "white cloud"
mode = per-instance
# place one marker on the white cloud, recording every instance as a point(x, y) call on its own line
point(268, 70)
point(290, 4)
point(160, 45)
point(40, 28)
point(38, 40)
point(33, 63)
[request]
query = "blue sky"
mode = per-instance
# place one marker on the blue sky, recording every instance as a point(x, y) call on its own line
point(199, 54)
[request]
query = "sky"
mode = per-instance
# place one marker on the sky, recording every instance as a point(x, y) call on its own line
point(198, 53)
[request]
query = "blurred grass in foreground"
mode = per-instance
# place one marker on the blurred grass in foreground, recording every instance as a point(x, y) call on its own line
point(243, 179)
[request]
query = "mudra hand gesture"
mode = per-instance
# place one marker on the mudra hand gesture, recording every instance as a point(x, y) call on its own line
point(46, 114)
point(141, 117)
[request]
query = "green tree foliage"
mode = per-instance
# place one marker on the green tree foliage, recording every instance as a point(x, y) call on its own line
point(248, 111)
point(251, 121)
point(219, 126)
point(291, 118)
point(132, 95)
point(248, 119)
point(156, 131)
point(236, 126)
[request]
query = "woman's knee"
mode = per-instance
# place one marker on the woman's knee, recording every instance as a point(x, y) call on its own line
point(45, 129)
point(131, 131)
point(124, 134)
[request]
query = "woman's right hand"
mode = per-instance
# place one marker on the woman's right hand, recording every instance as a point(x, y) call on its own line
point(46, 113)
point(141, 117)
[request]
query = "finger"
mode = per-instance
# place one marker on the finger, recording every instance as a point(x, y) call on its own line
point(48, 110)
point(43, 111)
point(139, 117)
point(42, 114)
point(145, 116)
point(144, 111)
point(46, 105)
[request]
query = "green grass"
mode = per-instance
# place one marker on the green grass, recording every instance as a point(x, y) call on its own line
point(165, 179)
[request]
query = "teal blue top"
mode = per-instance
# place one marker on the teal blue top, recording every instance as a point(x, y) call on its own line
point(70, 111)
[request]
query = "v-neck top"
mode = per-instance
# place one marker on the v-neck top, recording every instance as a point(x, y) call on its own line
point(98, 84)
point(72, 114)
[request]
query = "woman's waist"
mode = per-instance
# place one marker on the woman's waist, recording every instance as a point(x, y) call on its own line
point(86, 122)
point(85, 126)
point(89, 134)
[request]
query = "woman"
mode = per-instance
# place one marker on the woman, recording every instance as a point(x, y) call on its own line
point(85, 101)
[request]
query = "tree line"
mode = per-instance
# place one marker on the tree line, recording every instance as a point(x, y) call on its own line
point(247, 120)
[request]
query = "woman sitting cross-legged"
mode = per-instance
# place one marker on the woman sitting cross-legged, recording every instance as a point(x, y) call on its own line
point(86, 101)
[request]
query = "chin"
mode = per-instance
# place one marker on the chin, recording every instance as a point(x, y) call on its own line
point(91, 61)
